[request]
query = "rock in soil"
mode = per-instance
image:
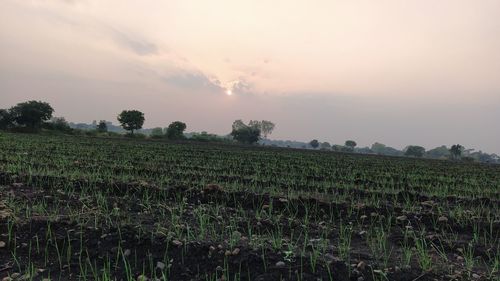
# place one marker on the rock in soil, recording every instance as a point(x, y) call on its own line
point(177, 243)
point(442, 219)
point(402, 218)
point(361, 266)
point(160, 265)
point(280, 264)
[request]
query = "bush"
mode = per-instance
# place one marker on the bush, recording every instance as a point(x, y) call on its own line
point(468, 159)
point(206, 137)
point(58, 124)
point(415, 151)
point(6, 120)
point(157, 133)
point(135, 136)
point(175, 130)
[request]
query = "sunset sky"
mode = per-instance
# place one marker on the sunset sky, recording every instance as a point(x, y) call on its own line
point(397, 72)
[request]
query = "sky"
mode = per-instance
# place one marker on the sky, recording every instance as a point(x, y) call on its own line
point(419, 72)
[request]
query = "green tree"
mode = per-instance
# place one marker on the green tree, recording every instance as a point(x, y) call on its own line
point(5, 119)
point(58, 124)
point(238, 124)
point(102, 127)
point(255, 124)
point(483, 157)
point(382, 149)
point(441, 152)
point(206, 137)
point(325, 145)
point(175, 130)
point(350, 144)
point(378, 148)
point(248, 134)
point(456, 151)
point(131, 120)
point(267, 127)
point(415, 150)
point(31, 114)
point(314, 144)
point(157, 133)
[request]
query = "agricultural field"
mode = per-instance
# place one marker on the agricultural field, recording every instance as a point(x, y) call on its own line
point(74, 208)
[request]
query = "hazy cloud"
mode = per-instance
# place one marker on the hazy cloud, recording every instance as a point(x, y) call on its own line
point(241, 86)
point(136, 44)
point(194, 81)
point(395, 72)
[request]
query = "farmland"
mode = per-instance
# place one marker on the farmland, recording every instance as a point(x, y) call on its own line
point(74, 208)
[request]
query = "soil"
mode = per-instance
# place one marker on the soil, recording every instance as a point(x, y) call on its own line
point(208, 260)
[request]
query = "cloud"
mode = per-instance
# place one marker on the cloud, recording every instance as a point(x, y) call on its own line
point(134, 43)
point(366, 79)
point(241, 86)
point(71, 2)
point(194, 81)
point(91, 27)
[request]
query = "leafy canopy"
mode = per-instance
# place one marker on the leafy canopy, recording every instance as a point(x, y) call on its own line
point(248, 134)
point(5, 119)
point(131, 120)
point(175, 130)
point(415, 150)
point(350, 143)
point(314, 143)
point(31, 114)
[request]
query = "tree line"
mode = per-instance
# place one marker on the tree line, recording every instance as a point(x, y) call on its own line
point(34, 116)
point(454, 152)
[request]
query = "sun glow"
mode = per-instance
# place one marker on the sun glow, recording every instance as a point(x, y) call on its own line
point(229, 92)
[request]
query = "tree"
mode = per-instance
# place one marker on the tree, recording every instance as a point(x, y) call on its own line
point(247, 134)
point(31, 114)
point(206, 137)
point(157, 133)
point(351, 144)
point(378, 148)
point(483, 157)
point(266, 127)
point(238, 124)
point(175, 130)
point(415, 150)
point(255, 124)
point(314, 144)
point(456, 150)
point(5, 119)
point(131, 120)
point(441, 152)
point(382, 149)
point(102, 127)
point(495, 158)
point(325, 145)
point(58, 124)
